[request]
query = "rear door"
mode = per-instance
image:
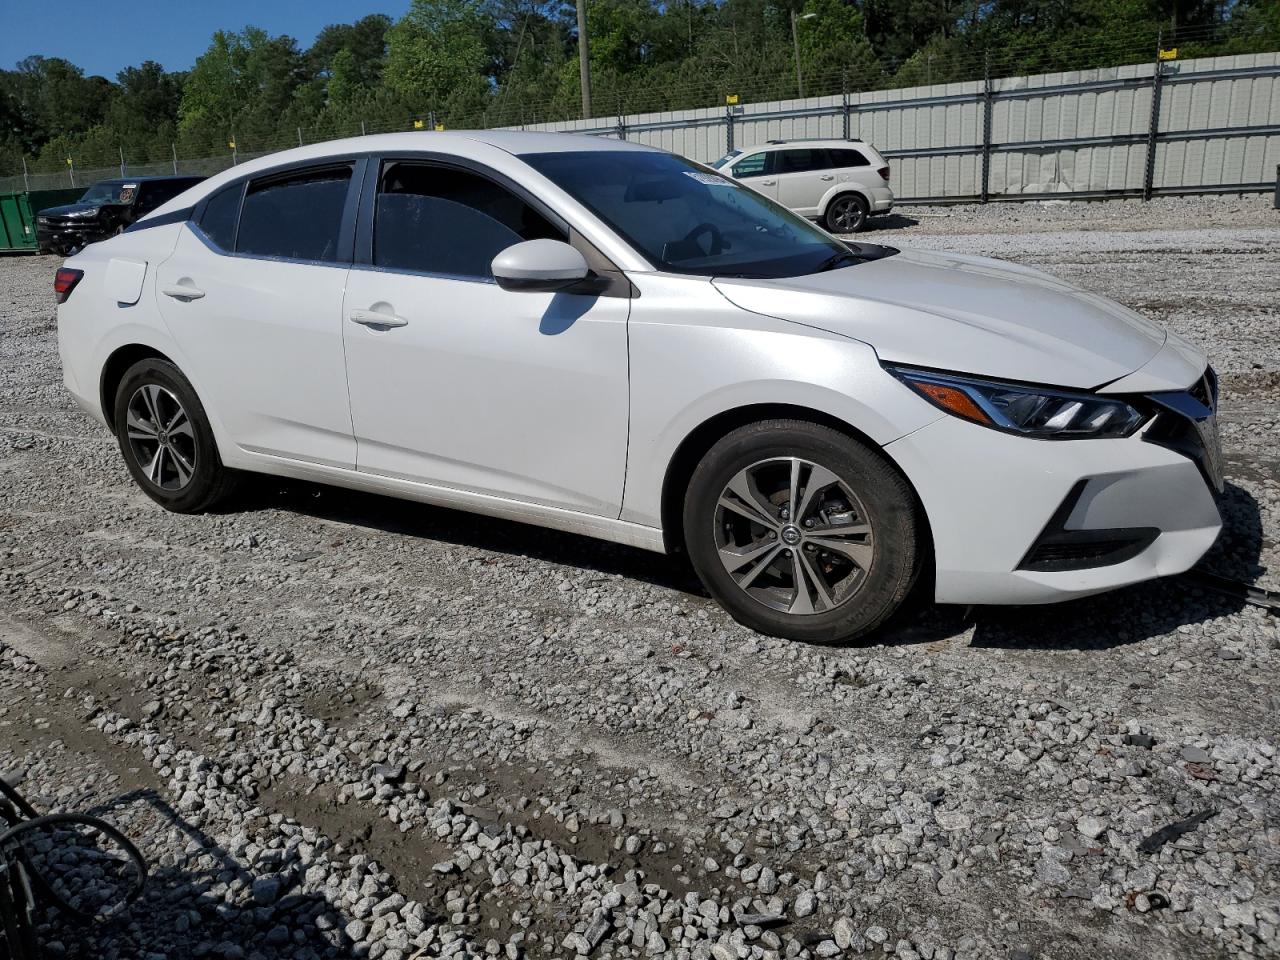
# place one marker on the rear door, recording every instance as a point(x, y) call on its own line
point(803, 177)
point(253, 296)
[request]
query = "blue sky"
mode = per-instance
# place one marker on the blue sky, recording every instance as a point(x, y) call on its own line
point(105, 36)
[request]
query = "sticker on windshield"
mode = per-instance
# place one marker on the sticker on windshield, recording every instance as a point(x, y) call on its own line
point(127, 191)
point(710, 179)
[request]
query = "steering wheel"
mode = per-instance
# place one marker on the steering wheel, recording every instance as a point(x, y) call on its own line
point(717, 238)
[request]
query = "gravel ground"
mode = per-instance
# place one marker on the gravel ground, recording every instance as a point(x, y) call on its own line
point(345, 726)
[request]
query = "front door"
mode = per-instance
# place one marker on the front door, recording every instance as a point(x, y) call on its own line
point(459, 383)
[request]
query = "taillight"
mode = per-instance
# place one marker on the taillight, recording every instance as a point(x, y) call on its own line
point(884, 173)
point(64, 281)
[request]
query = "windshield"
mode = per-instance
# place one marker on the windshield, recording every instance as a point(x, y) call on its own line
point(726, 159)
point(101, 193)
point(685, 219)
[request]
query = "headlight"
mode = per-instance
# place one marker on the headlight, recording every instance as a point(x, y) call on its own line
point(1041, 412)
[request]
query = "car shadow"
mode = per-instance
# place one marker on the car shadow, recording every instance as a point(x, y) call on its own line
point(185, 906)
point(1117, 618)
point(424, 521)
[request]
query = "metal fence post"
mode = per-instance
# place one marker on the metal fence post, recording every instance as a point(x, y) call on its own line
point(1153, 134)
point(728, 132)
point(122, 173)
point(1276, 202)
point(299, 136)
point(986, 129)
point(844, 99)
point(26, 184)
point(174, 148)
point(622, 120)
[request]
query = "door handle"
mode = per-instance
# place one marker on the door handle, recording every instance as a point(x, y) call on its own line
point(767, 183)
point(182, 291)
point(372, 318)
point(827, 176)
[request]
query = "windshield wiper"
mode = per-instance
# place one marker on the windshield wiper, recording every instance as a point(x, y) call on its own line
point(835, 260)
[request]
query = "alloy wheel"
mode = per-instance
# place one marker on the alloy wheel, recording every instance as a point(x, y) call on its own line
point(794, 536)
point(161, 437)
point(847, 215)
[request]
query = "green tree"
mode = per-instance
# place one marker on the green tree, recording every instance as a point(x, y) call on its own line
point(436, 57)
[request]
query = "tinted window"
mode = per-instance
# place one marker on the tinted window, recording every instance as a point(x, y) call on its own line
point(433, 219)
point(847, 158)
point(218, 221)
point(752, 166)
point(683, 218)
point(800, 161)
point(297, 216)
point(154, 194)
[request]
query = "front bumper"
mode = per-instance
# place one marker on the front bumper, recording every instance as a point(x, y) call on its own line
point(59, 236)
point(991, 497)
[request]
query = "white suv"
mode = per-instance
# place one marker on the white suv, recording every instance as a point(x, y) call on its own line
point(839, 182)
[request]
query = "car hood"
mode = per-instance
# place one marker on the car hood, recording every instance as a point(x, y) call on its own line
point(68, 209)
point(965, 314)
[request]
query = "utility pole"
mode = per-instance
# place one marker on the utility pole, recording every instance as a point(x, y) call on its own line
point(795, 42)
point(584, 60)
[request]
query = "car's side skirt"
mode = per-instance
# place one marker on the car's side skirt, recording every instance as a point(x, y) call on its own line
point(555, 518)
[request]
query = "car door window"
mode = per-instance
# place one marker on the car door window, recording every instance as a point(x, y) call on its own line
point(755, 165)
point(442, 220)
point(297, 215)
point(847, 158)
point(218, 219)
point(800, 161)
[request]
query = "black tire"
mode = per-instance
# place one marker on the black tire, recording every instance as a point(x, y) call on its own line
point(881, 499)
point(846, 213)
point(207, 481)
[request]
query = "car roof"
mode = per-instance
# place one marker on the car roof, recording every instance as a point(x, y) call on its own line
point(805, 144)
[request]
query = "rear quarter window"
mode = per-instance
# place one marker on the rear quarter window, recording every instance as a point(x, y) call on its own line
point(847, 158)
point(218, 220)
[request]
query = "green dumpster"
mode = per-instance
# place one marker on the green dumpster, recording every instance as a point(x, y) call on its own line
point(18, 215)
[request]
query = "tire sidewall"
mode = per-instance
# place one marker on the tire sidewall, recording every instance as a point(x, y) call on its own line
point(856, 201)
point(204, 483)
point(883, 492)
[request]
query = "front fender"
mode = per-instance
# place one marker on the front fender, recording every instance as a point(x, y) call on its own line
point(695, 357)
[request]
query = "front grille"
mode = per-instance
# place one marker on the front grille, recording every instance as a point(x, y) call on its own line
point(1191, 429)
point(1082, 549)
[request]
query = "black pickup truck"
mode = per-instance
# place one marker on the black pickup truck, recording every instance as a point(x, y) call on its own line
point(106, 209)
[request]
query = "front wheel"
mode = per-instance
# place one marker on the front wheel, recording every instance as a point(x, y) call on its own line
point(802, 532)
point(847, 213)
point(166, 439)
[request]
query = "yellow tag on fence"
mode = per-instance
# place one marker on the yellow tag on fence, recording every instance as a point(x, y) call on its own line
point(730, 98)
point(1169, 54)
point(418, 124)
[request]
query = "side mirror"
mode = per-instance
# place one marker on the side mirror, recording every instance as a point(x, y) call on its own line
point(539, 265)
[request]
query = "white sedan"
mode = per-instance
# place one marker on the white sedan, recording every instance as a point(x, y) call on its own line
point(609, 339)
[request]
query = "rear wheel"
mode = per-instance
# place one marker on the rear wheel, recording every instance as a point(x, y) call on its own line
point(166, 439)
point(802, 532)
point(846, 213)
